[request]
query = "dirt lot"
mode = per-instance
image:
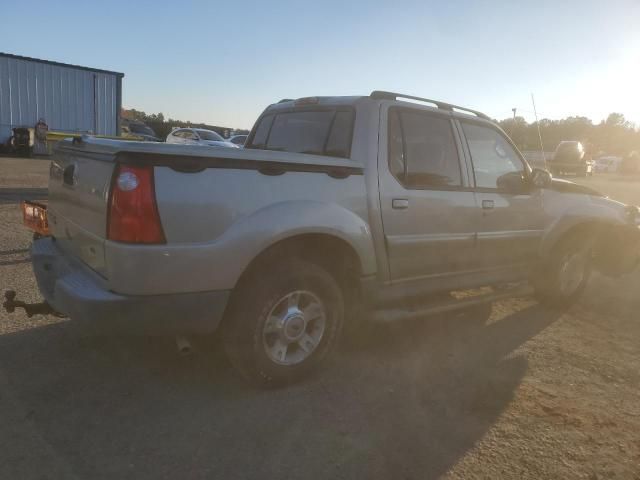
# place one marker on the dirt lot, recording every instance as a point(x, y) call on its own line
point(529, 394)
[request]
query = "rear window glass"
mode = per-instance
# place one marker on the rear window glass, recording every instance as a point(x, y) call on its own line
point(317, 132)
point(210, 135)
point(569, 152)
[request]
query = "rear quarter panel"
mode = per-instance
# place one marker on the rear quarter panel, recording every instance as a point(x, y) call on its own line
point(218, 220)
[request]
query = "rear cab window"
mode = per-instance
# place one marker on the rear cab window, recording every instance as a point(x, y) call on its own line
point(321, 131)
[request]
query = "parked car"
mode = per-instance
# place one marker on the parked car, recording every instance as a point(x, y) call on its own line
point(608, 164)
point(570, 157)
point(339, 210)
point(238, 139)
point(631, 163)
point(198, 136)
point(138, 129)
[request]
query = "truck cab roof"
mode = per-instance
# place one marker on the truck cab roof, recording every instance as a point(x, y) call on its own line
point(377, 96)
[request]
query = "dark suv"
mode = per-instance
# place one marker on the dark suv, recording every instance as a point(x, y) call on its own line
point(570, 157)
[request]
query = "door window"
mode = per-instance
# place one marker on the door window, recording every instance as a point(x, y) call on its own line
point(422, 150)
point(189, 135)
point(492, 156)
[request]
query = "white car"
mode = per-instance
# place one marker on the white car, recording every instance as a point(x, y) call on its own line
point(607, 164)
point(198, 136)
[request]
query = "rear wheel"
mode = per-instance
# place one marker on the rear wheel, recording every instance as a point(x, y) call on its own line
point(564, 276)
point(283, 322)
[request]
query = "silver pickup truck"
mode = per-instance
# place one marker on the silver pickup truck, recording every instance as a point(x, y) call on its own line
point(339, 210)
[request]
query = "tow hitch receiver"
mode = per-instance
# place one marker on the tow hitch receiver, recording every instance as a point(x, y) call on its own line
point(10, 304)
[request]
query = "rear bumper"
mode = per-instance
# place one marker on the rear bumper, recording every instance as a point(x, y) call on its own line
point(75, 290)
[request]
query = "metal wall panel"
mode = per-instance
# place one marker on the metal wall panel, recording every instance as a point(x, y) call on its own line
point(69, 99)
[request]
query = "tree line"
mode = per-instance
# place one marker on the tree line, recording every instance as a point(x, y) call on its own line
point(613, 136)
point(163, 126)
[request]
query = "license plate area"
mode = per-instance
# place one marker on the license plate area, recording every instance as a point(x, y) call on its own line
point(34, 217)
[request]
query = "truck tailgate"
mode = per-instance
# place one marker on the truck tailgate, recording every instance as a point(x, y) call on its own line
point(78, 201)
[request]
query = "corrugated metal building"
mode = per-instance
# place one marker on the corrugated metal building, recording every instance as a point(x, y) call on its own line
point(69, 98)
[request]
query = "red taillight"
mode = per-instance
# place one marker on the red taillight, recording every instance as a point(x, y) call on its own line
point(133, 213)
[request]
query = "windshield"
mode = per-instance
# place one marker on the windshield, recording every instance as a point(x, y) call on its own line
point(565, 148)
point(141, 129)
point(209, 135)
point(569, 152)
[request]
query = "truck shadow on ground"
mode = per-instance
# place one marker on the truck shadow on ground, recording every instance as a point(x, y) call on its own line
point(398, 401)
point(16, 195)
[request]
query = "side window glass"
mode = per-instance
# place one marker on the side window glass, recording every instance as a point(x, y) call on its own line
point(396, 150)
point(492, 155)
point(188, 134)
point(422, 150)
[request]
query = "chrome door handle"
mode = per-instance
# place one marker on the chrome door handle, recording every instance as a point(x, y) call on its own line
point(400, 203)
point(487, 204)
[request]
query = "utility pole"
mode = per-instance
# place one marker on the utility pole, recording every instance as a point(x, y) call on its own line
point(544, 159)
point(513, 125)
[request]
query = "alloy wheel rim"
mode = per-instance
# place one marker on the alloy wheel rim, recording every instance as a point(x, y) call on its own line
point(572, 272)
point(294, 328)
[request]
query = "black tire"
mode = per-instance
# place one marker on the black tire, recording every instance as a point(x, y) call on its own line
point(548, 281)
point(257, 296)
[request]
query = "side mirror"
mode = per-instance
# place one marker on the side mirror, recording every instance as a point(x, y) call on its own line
point(541, 178)
point(512, 182)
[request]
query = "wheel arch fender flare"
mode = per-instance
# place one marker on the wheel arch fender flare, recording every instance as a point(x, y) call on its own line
point(595, 219)
point(275, 223)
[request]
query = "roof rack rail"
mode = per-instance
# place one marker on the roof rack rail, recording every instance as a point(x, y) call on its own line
point(382, 95)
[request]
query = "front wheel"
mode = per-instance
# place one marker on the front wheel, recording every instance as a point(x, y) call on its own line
point(563, 277)
point(283, 322)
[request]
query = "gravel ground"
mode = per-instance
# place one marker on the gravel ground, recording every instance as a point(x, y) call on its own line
point(529, 394)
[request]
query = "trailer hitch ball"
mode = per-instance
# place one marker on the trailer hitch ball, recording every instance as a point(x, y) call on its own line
point(10, 296)
point(43, 308)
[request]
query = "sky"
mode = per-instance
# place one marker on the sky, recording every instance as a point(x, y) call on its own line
point(222, 63)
